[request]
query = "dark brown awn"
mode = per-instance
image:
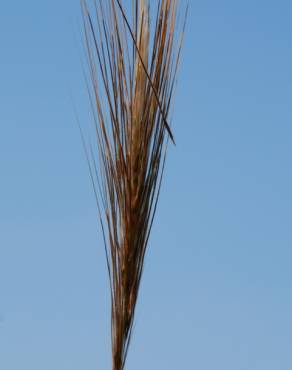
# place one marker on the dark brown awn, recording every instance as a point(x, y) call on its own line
point(133, 70)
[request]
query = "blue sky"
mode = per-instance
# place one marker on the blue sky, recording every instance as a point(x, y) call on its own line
point(217, 285)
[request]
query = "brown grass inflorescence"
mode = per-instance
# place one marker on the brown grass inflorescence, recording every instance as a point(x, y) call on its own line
point(133, 71)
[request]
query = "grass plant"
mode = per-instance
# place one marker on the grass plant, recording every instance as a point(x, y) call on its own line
point(132, 63)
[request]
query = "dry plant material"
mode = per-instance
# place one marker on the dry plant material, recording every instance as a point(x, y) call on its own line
point(133, 71)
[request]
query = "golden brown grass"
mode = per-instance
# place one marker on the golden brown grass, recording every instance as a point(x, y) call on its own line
point(133, 71)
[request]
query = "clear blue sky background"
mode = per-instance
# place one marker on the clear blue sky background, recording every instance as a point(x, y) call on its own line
point(217, 286)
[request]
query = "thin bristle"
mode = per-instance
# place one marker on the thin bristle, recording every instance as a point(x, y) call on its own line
point(133, 75)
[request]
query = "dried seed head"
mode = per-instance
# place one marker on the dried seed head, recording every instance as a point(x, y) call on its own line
point(134, 74)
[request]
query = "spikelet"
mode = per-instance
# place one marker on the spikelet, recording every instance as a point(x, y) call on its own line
point(133, 78)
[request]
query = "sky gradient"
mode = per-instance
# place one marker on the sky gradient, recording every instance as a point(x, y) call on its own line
point(216, 292)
